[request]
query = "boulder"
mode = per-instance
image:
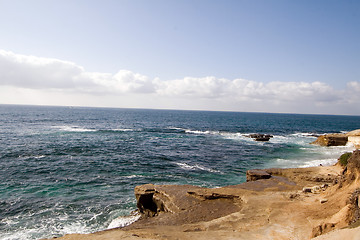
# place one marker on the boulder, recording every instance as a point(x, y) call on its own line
point(261, 137)
point(335, 139)
point(253, 175)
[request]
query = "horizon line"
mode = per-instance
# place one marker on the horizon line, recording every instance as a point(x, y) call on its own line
point(170, 109)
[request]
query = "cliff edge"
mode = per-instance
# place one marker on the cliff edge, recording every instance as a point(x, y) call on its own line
point(298, 203)
point(339, 139)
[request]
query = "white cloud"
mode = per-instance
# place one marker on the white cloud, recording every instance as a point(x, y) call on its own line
point(207, 87)
point(126, 81)
point(352, 93)
point(241, 89)
point(35, 72)
point(354, 86)
point(46, 74)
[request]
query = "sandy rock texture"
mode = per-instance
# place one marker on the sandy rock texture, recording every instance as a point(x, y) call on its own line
point(299, 203)
point(339, 139)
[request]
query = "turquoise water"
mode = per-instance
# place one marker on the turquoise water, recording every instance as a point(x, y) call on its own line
point(66, 170)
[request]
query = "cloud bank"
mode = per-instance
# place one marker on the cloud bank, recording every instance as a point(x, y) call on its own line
point(46, 74)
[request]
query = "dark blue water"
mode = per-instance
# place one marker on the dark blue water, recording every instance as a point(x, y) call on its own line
point(65, 170)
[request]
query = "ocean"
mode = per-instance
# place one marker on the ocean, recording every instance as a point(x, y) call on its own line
point(73, 170)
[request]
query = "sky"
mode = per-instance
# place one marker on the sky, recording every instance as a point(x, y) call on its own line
point(243, 55)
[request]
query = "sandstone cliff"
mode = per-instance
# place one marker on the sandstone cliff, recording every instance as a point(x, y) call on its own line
point(339, 139)
point(299, 203)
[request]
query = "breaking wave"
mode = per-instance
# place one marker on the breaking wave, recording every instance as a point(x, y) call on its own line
point(194, 167)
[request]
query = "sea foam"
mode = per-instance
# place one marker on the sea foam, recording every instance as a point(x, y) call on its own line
point(186, 166)
point(74, 129)
point(123, 221)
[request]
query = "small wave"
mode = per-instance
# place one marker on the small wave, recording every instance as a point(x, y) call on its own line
point(31, 156)
point(123, 221)
point(131, 176)
point(333, 150)
point(301, 138)
point(313, 155)
point(319, 162)
point(81, 129)
point(74, 129)
point(199, 132)
point(226, 135)
point(305, 134)
point(123, 130)
point(46, 231)
point(186, 166)
point(177, 128)
point(118, 130)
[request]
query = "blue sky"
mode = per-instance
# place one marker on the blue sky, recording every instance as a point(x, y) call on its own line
point(183, 54)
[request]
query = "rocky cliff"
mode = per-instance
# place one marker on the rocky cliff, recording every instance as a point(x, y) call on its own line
point(339, 139)
point(299, 203)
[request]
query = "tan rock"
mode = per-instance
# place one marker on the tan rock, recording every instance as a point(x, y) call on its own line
point(336, 139)
point(323, 201)
point(339, 139)
point(266, 209)
point(253, 175)
point(354, 138)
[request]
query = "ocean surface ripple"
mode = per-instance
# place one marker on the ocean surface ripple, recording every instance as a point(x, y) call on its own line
point(65, 170)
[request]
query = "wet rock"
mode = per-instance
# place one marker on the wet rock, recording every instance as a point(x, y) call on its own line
point(261, 137)
point(336, 139)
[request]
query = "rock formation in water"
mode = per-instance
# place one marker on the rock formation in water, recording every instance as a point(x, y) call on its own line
point(339, 139)
point(260, 137)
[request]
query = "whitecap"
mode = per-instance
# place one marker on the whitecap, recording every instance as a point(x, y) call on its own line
point(123, 221)
point(177, 128)
point(46, 231)
point(131, 176)
point(199, 132)
point(31, 156)
point(304, 134)
point(76, 227)
point(313, 155)
point(238, 137)
point(319, 162)
point(186, 166)
point(74, 129)
point(123, 130)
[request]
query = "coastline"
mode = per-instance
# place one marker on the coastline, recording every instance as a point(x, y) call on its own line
point(63, 176)
point(295, 203)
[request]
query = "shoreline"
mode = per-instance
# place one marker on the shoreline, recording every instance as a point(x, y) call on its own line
point(297, 202)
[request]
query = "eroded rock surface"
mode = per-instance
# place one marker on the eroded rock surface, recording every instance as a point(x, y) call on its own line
point(336, 139)
point(339, 139)
point(273, 208)
point(256, 174)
